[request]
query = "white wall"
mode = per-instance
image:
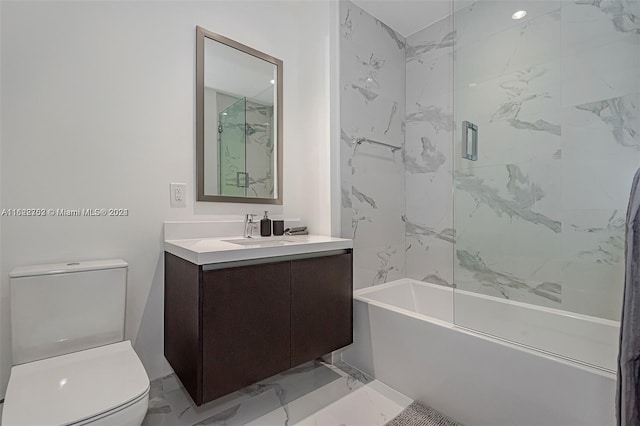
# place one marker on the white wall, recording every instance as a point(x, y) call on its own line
point(97, 110)
point(4, 325)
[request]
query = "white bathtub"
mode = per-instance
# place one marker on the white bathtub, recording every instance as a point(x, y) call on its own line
point(404, 336)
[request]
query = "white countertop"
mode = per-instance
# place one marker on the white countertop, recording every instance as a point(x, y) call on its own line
point(202, 251)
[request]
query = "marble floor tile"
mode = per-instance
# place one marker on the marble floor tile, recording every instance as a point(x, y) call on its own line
point(370, 405)
point(160, 412)
point(315, 393)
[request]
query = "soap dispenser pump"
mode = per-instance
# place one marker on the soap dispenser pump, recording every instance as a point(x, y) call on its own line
point(265, 225)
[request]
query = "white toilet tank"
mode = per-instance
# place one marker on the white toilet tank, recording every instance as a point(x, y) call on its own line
point(61, 308)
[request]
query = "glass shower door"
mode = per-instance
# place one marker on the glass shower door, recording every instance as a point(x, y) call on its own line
point(553, 99)
point(232, 150)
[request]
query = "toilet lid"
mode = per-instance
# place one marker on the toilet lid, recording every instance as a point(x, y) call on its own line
point(73, 387)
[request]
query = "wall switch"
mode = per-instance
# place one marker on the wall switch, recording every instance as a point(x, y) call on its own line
point(178, 195)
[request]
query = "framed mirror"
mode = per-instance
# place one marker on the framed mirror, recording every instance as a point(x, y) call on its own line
point(238, 122)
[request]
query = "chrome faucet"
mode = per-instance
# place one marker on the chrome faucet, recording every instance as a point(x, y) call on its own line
point(248, 225)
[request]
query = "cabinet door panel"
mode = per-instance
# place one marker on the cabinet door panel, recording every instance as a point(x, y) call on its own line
point(246, 326)
point(182, 322)
point(321, 306)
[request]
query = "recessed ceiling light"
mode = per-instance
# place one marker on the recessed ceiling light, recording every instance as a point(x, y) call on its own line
point(273, 82)
point(519, 14)
point(473, 84)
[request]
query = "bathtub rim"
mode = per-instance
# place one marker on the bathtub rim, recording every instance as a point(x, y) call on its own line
point(556, 311)
point(360, 296)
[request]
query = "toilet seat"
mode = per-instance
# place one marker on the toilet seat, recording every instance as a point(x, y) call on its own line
point(76, 388)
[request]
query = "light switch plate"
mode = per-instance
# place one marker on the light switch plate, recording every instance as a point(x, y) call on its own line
point(178, 195)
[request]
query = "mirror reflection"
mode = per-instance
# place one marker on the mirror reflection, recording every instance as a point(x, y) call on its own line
point(241, 141)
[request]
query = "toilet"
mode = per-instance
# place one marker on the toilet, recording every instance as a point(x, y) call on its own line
point(71, 365)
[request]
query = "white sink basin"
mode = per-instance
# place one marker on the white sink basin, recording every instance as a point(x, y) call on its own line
point(261, 242)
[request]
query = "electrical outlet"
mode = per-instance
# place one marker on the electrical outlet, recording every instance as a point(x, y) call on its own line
point(178, 195)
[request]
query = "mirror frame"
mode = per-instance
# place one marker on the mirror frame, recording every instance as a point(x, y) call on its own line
point(201, 36)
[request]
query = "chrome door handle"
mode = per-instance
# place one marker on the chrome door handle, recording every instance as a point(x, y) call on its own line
point(466, 127)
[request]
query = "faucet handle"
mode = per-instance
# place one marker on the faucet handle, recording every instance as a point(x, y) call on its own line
point(248, 225)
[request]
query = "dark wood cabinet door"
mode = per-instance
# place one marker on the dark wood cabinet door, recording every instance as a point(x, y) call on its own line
point(246, 326)
point(182, 322)
point(321, 306)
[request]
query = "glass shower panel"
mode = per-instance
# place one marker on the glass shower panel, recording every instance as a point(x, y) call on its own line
point(232, 145)
point(539, 215)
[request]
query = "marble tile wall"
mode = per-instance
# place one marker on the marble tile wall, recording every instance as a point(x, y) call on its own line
point(428, 163)
point(372, 85)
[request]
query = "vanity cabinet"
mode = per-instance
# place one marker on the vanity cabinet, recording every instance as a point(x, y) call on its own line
point(229, 325)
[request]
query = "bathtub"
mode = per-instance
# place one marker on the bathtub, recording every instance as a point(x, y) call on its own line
point(405, 337)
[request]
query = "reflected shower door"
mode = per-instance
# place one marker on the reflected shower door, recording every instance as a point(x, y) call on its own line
point(232, 150)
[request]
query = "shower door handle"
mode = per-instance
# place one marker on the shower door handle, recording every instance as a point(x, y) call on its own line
point(467, 127)
point(242, 179)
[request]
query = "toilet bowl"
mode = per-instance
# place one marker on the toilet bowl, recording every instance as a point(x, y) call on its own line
point(101, 386)
point(71, 365)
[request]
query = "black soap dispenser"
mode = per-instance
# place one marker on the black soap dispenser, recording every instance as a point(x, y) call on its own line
point(265, 225)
